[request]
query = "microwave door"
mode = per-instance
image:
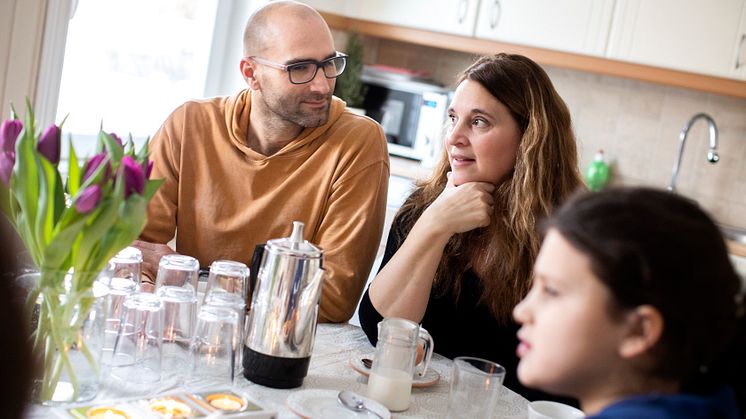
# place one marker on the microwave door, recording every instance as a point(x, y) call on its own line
point(429, 139)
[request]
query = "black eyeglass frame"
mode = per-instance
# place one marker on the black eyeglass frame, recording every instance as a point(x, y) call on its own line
point(288, 68)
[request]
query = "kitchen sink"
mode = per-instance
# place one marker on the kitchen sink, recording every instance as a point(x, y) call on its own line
point(735, 234)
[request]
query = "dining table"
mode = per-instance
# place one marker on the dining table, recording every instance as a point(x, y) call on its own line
point(336, 348)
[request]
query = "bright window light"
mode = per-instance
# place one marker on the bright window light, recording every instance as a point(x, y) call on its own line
point(129, 64)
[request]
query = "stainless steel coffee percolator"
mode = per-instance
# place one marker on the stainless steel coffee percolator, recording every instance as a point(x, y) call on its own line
point(284, 311)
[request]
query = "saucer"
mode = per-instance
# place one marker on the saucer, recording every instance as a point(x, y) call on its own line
point(322, 404)
point(431, 377)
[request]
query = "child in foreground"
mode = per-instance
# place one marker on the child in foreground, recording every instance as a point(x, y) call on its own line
point(635, 310)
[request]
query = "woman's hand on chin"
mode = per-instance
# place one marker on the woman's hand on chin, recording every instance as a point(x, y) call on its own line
point(461, 208)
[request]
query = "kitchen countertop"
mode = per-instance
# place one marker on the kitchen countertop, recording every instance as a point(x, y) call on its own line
point(735, 248)
point(408, 168)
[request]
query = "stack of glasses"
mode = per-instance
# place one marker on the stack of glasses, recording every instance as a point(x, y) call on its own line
point(158, 333)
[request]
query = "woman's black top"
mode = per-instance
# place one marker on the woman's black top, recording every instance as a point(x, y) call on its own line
point(459, 328)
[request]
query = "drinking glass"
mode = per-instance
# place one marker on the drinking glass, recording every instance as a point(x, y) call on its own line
point(179, 308)
point(228, 276)
point(126, 265)
point(475, 388)
point(119, 289)
point(137, 349)
point(237, 304)
point(178, 271)
point(212, 351)
point(390, 379)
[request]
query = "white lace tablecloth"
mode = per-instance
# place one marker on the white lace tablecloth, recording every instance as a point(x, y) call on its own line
point(335, 345)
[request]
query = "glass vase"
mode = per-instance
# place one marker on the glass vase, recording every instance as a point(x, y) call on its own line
point(67, 315)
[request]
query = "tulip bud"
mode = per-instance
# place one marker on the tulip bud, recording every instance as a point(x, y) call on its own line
point(149, 169)
point(7, 160)
point(9, 134)
point(93, 164)
point(49, 144)
point(88, 199)
point(134, 178)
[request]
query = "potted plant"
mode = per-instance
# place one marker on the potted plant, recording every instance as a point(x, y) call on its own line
point(349, 86)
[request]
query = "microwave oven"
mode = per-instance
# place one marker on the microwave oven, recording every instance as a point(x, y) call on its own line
point(411, 111)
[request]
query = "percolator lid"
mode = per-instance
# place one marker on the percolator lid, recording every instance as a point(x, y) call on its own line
point(295, 244)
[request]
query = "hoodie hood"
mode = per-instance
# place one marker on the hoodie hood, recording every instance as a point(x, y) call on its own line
point(238, 109)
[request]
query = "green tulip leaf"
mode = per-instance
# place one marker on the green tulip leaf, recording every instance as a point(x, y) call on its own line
point(112, 147)
point(73, 171)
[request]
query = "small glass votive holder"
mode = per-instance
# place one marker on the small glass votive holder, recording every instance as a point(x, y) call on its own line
point(212, 352)
point(179, 313)
point(127, 265)
point(137, 352)
point(106, 412)
point(228, 276)
point(171, 407)
point(475, 388)
point(179, 271)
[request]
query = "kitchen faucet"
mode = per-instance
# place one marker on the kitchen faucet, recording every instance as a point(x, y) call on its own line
point(712, 154)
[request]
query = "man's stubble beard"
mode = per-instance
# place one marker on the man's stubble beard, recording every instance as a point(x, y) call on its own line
point(289, 109)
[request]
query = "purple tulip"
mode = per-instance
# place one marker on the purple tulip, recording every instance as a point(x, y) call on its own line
point(49, 144)
point(88, 199)
point(9, 134)
point(149, 169)
point(134, 178)
point(93, 164)
point(117, 139)
point(7, 160)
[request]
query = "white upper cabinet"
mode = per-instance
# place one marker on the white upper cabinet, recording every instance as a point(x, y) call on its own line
point(450, 16)
point(739, 62)
point(344, 7)
point(690, 35)
point(580, 26)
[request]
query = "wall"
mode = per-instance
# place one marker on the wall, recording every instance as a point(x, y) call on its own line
point(636, 123)
point(21, 29)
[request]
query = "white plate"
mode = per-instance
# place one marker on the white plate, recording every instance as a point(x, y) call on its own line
point(431, 377)
point(323, 404)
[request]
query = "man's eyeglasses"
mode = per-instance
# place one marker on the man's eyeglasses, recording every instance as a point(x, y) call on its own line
point(305, 71)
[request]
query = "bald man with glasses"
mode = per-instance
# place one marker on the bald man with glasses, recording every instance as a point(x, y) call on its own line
point(239, 170)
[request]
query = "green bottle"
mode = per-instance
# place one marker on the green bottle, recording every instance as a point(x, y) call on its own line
point(597, 174)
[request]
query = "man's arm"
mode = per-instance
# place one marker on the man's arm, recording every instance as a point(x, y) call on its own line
point(161, 222)
point(350, 235)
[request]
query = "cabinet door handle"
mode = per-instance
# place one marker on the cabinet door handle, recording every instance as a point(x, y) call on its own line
point(739, 51)
point(463, 9)
point(495, 15)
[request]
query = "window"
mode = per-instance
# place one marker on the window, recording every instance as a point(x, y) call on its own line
point(129, 64)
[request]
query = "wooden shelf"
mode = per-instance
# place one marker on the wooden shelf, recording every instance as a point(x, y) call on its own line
point(598, 65)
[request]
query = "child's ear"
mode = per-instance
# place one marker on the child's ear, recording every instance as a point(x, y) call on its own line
point(644, 329)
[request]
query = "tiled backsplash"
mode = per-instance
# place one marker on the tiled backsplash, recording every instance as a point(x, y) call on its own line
point(636, 123)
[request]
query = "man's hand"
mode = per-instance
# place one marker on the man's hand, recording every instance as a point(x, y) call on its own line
point(151, 255)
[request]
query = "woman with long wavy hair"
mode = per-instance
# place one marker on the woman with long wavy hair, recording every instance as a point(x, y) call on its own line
point(461, 248)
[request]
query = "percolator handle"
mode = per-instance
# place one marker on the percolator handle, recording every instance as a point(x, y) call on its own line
point(256, 262)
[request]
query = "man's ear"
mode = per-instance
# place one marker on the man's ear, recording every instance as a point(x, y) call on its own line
point(644, 329)
point(248, 71)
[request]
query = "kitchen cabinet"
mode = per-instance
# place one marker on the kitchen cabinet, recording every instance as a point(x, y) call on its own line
point(448, 16)
point(342, 8)
point(689, 35)
point(580, 26)
point(740, 60)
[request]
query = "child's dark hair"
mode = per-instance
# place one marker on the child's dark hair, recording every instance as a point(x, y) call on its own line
point(657, 248)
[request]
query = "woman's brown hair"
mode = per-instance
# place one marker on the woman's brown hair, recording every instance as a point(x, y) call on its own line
point(545, 172)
